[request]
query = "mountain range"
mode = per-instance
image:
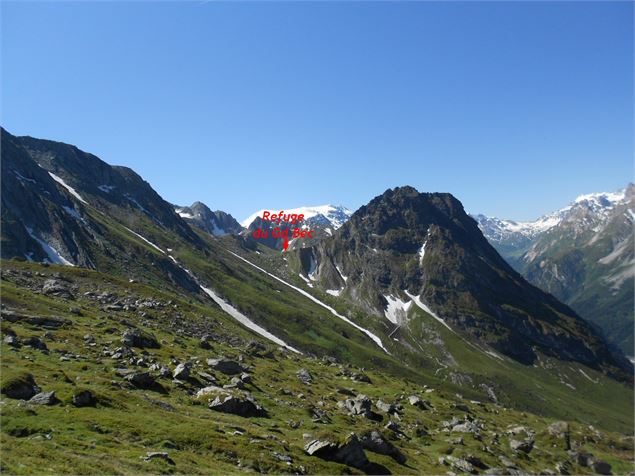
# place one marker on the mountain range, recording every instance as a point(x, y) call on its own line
point(583, 254)
point(167, 330)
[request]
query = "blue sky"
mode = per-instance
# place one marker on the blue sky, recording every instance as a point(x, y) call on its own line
point(514, 107)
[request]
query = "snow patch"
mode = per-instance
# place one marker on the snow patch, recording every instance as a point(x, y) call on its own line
point(585, 374)
point(309, 283)
point(372, 336)
point(70, 189)
point(345, 278)
point(396, 310)
point(54, 256)
point(334, 292)
point(244, 320)
point(106, 188)
point(145, 239)
point(417, 300)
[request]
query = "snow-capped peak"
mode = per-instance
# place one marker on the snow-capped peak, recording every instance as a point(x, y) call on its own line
point(597, 203)
point(336, 216)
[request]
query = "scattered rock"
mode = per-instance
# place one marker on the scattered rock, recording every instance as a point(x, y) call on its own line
point(240, 406)
point(375, 442)
point(360, 405)
point(12, 341)
point(182, 371)
point(83, 398)
point(141, 380)
point(54, 287)
point(22, 387)
point(36, 343)
point(418, 402)
point(458, 464)
point(601, 467)
point(304, 376)
point(560, 429)
point(350, 452)
point(158, 455)
point(226, 366)
point(44, 398)
point(522, 445)
point(140, 339)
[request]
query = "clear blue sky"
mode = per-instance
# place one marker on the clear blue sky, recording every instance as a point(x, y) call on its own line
point(516, 108)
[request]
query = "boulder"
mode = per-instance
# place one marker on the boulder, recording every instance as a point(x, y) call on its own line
point(182, 371)
point(12, 341)
point(83, 398)
point(375, 442)
point(54, 287)
point(36, 343)
point(458, 464)
point(415, 401)
point(304, 376)
point(150, 455)
point(44, 398)
point(241, 406)
point(522, 445)
point(560, 430)
point(141, 379)
point(350, 452)
point(21, 387)
point(226, 366)
point(140, 339)
point(600, 467)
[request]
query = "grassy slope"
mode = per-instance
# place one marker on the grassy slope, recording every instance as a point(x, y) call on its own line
point(126, 423)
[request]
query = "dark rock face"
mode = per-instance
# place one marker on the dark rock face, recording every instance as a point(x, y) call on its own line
point(460, 276)
point(22, 387)
point(350, 452)
point(140, 339)
point(241, 406)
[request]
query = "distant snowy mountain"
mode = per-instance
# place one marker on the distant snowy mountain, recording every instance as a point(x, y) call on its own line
point(328, 216)
point(595, 207)
point(582, 253)
point(322, 219)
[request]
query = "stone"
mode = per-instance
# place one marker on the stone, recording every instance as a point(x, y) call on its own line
point(361, 377)
point(458, 464)
point(415, 401)
point(560, 430)
point(304, 376)
point(522, 445)
point(226, 366)
point(12, 341)
point(240, 406)
point(601, 467)
point(182, 371)
point(350, 452)
point(22, 387)
point(44, 398)
point(360, 405)
point(141, 380)
point(83, 398)
point(140, 339)
point(150, 455)
point(36, 343)
point(375, 442)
